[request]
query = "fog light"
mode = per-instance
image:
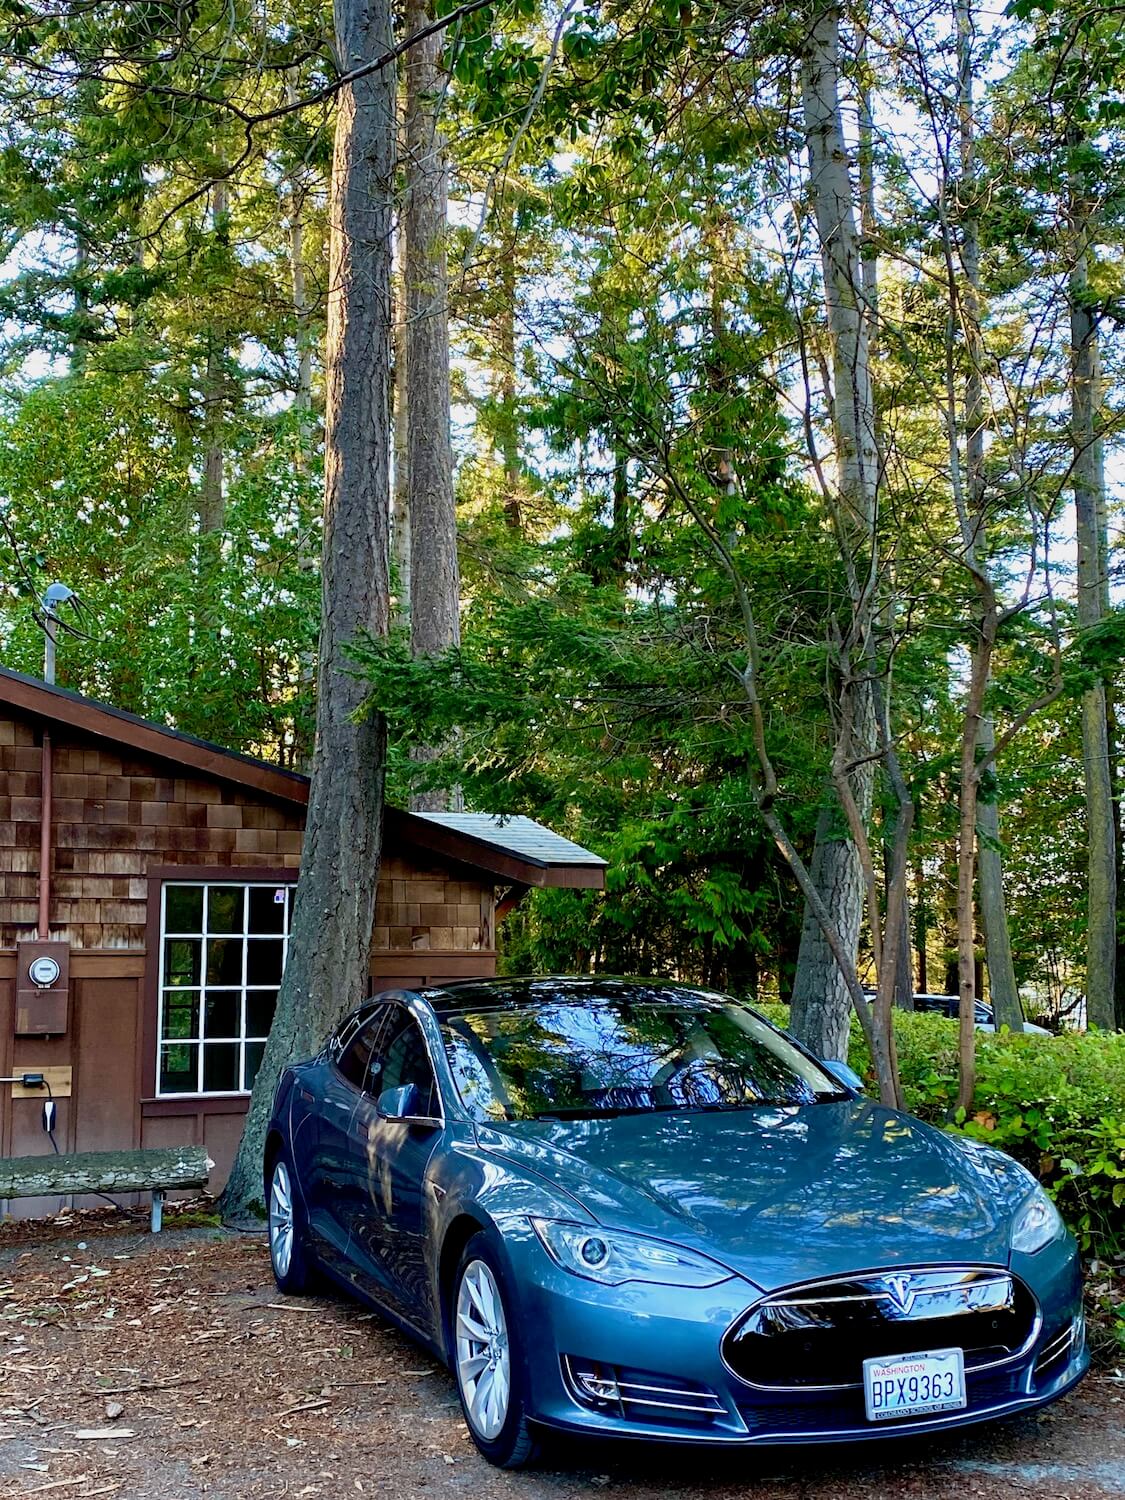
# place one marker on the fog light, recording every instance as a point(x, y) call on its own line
point(593, 1381)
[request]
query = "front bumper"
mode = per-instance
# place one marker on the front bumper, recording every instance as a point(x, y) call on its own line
point(643, 1361)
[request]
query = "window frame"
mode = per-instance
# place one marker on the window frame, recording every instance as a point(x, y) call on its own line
point(345, 1037)
point(397, 1012)
point(228, 877)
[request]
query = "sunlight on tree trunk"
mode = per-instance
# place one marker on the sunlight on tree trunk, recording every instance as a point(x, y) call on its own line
point(820, 1002)
point(434, 575)
point(327, 968)
point(1088, 480)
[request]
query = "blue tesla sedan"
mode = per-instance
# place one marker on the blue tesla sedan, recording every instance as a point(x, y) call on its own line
point(633, 1208)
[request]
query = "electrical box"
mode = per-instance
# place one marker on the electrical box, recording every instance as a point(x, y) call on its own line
point(42, 988)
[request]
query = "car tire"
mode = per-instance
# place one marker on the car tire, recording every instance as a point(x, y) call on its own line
point(482, 1327)
point(292, 1269)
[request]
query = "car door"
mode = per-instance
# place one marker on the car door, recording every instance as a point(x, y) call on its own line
point(330, 1179)
point(390, 1211)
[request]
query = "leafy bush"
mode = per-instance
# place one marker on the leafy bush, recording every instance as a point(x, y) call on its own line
point(1057, 1104)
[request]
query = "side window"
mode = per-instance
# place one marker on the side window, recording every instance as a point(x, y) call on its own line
point(353, 1058)
point(402, 1059)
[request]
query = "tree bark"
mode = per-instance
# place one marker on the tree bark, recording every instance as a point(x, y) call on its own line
point(167, 1167)
point(298, 278)
point(1088, 478)
point(435, 585)
point(820, 1006)
point(400, 500)
point(212, 496)
point(993, 911)
point(820, 1011)
point(1113, 736)
point(1002, 988)
point(327, 969)
point(506, 382)
point(302, 401)
point(921, 926)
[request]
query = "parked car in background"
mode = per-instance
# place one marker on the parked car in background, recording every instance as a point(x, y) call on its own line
point(629, 1208)
point(950, 1005)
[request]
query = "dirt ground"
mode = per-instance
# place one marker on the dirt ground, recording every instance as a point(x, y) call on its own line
point(168, 1367)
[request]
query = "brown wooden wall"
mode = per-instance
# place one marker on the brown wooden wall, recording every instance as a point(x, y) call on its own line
point(120, 823)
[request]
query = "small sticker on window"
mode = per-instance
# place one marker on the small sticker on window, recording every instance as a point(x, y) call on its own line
point(279, 897)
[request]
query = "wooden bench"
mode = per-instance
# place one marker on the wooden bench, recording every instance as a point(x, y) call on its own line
point(157, 1171)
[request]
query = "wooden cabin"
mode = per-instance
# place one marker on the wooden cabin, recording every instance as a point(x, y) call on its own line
point(146, 883)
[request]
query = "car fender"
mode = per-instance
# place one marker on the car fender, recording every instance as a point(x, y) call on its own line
point(499, 1200)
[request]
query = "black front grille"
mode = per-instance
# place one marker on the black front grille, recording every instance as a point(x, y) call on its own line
point(820, 1334)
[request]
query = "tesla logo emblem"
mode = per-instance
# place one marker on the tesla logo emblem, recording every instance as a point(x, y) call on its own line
point(900, 1292)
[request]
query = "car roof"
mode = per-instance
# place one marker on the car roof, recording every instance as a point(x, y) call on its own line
point(530, 992)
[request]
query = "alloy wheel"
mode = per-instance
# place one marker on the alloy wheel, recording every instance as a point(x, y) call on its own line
point(484, 1369)
point(281, 1219)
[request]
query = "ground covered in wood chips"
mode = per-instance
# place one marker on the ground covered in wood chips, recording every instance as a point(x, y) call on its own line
point(160, 1367)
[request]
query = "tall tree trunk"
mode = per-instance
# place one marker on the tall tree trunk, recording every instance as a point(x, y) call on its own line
point(78, 343)
point(435, 587)
point(400, 498)
point(302, 402)
point(904, 969)
point(212, 493)
point(921, 926)
point(1088, 473)
point(993, 911)
point(210, 503)
point(1113, 736)
point(506, 382)
point(327, 970)
point(820, 1008)
point(820, 1013)
point(1002, 989)
point(298, 278)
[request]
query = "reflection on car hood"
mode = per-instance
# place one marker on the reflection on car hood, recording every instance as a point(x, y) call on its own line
point(781, 1194)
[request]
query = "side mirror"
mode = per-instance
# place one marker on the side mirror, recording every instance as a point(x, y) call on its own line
point(400, 1103)
point(404, 1104)
point(840, 1070)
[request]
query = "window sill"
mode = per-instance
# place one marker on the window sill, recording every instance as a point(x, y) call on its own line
point(194, 1104)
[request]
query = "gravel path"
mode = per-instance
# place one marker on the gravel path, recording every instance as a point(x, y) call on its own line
point(165, 1368)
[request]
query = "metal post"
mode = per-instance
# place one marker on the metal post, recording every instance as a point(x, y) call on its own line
point(50, 631)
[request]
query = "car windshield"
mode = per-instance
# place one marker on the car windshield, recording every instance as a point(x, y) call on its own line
point(590, 1059)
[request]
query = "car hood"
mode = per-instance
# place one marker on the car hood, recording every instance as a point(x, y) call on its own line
point(781, 1194)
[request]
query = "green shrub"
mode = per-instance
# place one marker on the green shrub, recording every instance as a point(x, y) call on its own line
point(1057, 1104)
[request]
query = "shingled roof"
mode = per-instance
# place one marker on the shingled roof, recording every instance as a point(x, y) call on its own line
point(522, 837)
point(515, 849)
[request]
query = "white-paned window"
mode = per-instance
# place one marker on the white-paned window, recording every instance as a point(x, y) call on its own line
point(222, 950)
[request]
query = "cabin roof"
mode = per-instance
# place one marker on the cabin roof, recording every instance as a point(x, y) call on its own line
point(515, 849)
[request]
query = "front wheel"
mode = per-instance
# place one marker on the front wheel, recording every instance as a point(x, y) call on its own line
point(487, 1360)
point(290, 1263)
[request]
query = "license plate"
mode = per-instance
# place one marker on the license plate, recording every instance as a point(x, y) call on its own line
point(914, 1385)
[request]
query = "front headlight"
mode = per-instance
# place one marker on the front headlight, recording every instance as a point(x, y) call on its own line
point(612, 1257)
point(1037, 1223)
